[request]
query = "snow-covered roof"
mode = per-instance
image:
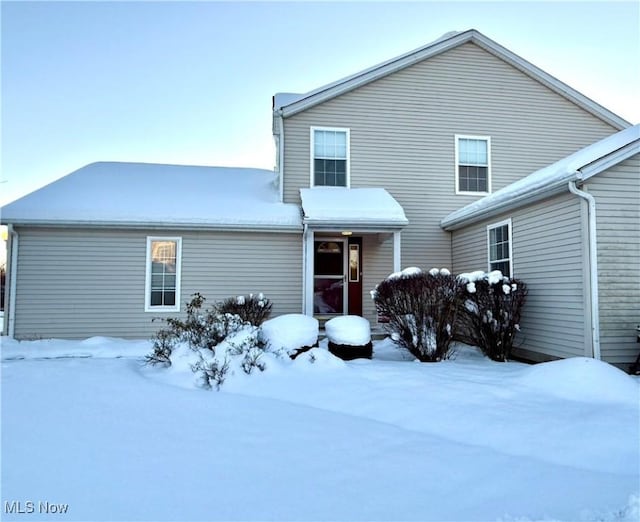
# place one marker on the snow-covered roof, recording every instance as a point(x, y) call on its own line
point(141, 194)
point(288, 104)
point(550, 180)
point(352, 208)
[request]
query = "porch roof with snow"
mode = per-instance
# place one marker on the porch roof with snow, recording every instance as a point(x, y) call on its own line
point(359, 209)
point(169, 196)
point(551, 180)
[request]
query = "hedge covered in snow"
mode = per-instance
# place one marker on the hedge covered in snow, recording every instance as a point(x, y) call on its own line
point(489, 317)
point(421, 308)
point(232, 338)
point(212, 341)
point(427, 311)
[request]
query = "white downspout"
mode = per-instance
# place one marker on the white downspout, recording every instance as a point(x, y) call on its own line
point(593, 266)
point(13, 273)
point(281, 155)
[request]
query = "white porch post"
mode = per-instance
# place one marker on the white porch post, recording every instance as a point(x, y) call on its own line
point(397, 261)
point(308, 274)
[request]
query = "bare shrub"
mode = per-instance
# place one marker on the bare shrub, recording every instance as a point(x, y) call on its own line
point(421, 309)
point(489, 317)
point(253, 309)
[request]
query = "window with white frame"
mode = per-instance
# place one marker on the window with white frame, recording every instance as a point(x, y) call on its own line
point(162, 286)
point(473, 164)
point(329, 157)
point(499, 246)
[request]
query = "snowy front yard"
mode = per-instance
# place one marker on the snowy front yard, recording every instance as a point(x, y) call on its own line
point(382, 439)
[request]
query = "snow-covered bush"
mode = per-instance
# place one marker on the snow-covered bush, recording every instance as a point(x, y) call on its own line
point(251, 308)
point(241, 352)
point(490, 313)
point(421, 310)
point(212, 343)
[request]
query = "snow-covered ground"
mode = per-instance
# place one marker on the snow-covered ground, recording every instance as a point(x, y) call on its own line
point(89, 425)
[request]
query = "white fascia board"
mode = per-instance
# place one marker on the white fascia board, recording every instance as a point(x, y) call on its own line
point(156, 225)
point(354, 226)
point(610, 160)
point(349, 83)
point(514, 203)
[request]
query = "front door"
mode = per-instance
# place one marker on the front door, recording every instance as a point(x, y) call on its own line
point(337, 276)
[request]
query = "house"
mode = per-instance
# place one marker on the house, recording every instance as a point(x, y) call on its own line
point(370, 172)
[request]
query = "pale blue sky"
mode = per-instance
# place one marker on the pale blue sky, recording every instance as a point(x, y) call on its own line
point(191, 82)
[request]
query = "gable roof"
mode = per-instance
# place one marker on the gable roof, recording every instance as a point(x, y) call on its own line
point(352, 208)
point(171, 196)
point(288, 104)
point(579, 167)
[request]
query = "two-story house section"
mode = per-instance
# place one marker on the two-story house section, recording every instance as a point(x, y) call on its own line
point(423, 134)
point(376, 172)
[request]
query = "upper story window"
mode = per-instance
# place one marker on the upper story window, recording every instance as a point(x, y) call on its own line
point(329, 157)
point(473, 164)
point(499, 244)
point(162, 283)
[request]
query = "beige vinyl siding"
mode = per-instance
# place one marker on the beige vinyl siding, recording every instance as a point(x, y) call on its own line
point(377, 256)
point(76, 283)
point(402, 131)
point(548, 255)
point(617, 194)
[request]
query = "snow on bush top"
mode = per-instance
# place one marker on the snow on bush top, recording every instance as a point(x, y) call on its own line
point(414, 270)
point(439, 271)
point(290, 332)
point(495, 277)
point(352, 330)
point(492, 277)
point(407, 272)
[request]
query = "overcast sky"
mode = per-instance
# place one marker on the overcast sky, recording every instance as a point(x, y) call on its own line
point(191, 83)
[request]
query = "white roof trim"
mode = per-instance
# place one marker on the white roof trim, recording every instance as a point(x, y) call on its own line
point(153, 225)
point(609, 161)
point(550, 180)
point(294, 104)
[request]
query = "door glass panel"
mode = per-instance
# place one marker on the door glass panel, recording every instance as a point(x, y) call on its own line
point(354, 263)
point(328, 283)
point(328, 295)
point(328, 258)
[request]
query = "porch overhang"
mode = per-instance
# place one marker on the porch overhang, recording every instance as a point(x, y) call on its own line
point(354, 210)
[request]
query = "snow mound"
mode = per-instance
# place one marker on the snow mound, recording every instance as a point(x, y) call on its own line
point(100, 347)
point(352, 330)
point(318, 358)
point(583, 379)
point(290, 332)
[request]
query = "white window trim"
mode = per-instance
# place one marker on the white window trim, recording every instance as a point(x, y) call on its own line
point(510, 228)
point(457, 138)
point(312, 150)
point(147, 283)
